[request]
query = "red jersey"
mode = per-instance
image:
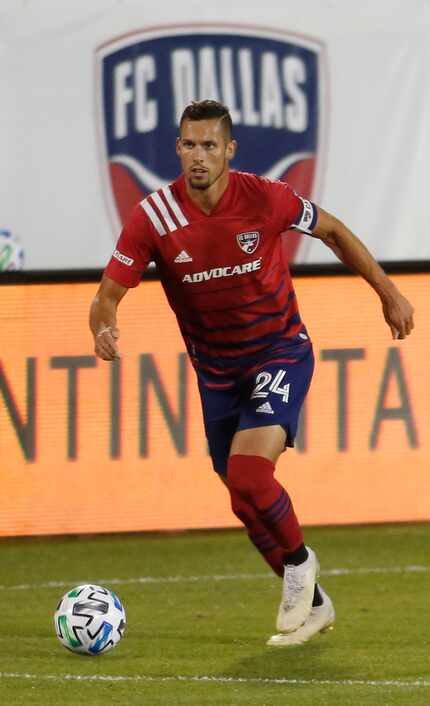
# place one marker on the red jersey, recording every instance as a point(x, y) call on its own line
point(224, 274)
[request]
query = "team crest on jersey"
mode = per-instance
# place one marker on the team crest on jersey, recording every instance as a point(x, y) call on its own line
point(248, 242)
point(272, 82)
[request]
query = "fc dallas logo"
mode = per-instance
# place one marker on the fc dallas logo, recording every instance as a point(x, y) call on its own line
point(271, 81)
point(248, 242)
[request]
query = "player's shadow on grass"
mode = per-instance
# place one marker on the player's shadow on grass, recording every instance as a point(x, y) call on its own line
point(309, 661)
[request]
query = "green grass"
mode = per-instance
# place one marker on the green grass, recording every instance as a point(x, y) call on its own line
point(218, 628)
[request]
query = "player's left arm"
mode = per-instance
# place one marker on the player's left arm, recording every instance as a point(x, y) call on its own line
point(398, 312)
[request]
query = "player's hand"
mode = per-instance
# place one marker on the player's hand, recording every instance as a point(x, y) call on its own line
point(399, 315)
point(106, 346)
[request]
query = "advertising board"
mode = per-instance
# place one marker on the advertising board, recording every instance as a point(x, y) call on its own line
point(87, 446)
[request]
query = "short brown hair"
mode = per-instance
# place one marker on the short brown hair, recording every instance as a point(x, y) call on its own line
point(208, 110)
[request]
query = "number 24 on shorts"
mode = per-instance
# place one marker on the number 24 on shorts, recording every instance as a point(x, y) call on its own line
point(264, 378)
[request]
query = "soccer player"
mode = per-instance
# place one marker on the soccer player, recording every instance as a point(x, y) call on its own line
point(215, 237)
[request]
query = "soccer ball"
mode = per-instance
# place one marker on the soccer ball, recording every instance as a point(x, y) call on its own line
point(11, 252)
point(90, 620)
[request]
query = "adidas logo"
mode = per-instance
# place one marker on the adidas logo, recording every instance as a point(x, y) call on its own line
point(266, 408)
point(183, 257)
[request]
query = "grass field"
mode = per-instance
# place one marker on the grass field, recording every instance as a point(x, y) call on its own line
point(200, 607)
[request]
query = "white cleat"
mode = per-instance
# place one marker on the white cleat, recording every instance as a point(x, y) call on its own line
point(297, 593)
point(321, 619)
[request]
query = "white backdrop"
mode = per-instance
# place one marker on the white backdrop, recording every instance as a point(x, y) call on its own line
point(376, 101)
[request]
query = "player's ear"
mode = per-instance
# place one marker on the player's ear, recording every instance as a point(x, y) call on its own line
point(178, 146)
point(231, 150)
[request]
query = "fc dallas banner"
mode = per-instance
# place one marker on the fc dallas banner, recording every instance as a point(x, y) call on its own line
point(270, 81)
point(331, 102)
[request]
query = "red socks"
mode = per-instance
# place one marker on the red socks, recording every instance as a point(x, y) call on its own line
point(265, 508)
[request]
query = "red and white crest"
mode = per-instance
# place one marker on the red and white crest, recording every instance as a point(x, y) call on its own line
point(248, 242)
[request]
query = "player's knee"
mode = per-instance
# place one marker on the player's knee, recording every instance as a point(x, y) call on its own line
point(249, 475)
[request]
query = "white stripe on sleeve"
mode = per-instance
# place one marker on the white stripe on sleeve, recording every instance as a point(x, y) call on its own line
point(156, 198)
point(174, 205)
point(153, 217)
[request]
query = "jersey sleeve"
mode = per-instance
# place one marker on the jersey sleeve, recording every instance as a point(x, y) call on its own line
point(133, 251)
point(290, 209)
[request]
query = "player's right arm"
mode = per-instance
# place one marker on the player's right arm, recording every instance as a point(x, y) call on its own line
point(103, 318)
point(134, 250)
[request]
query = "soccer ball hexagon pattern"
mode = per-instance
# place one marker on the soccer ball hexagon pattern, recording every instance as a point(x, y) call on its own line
point(90, 620)
point(11, 252)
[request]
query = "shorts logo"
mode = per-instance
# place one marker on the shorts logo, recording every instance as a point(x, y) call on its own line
point(265, 408)
point(248, 242)
point(122, 258)
point(270, 80)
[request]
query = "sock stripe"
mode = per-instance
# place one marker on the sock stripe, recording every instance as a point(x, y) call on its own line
point(270, 548)
point(262, 534)
point(279, 512)
point(271, 507)
point(263, 544)
point(283, 514)
point(261, 537)
point(267, 548)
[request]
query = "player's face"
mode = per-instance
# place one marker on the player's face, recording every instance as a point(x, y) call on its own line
point(204, 151)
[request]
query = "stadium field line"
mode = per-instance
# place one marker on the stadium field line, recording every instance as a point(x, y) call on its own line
point(216, 680)
point(215, 577)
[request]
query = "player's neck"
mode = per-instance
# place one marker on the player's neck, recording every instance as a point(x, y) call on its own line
point(207, 199)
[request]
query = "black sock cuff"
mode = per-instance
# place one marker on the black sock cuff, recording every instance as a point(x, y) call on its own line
point(298, 556)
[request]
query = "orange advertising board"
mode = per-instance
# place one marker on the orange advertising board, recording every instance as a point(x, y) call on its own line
point(87, 446)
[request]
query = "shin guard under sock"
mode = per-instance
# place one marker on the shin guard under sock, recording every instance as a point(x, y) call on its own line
point(252, 479)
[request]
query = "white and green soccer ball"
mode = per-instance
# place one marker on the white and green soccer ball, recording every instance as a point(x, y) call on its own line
point(90, 620)
point(11, 252)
